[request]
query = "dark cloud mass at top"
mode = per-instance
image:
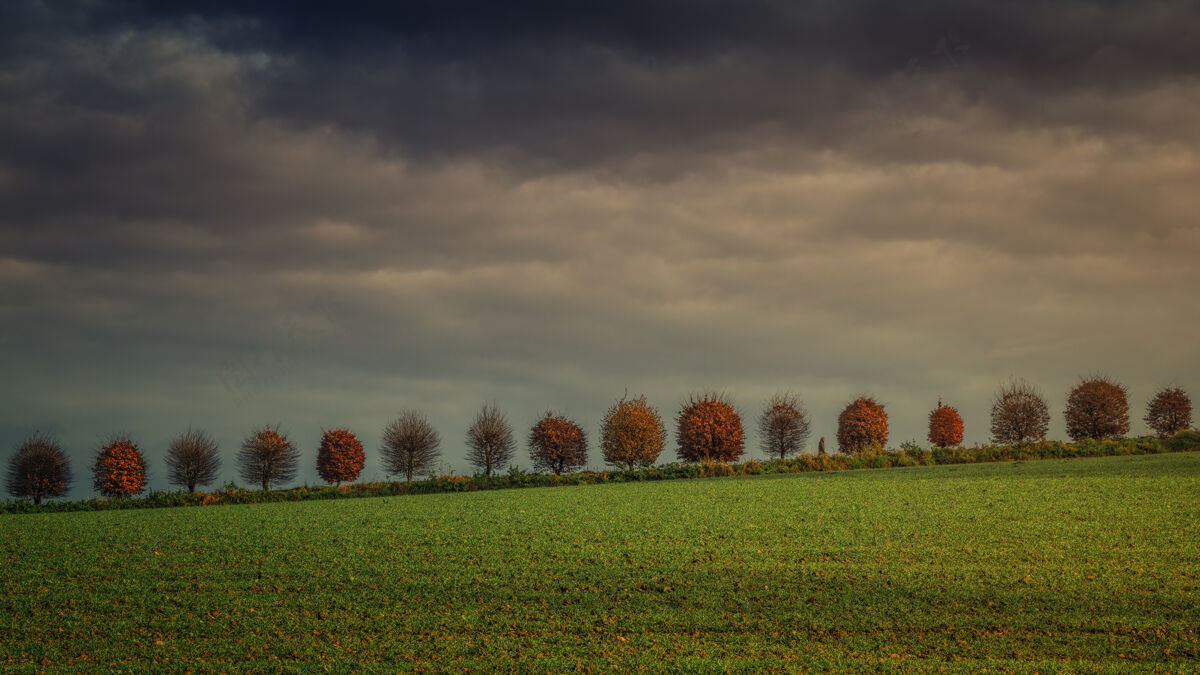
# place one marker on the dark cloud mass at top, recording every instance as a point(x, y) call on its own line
point(223, 214)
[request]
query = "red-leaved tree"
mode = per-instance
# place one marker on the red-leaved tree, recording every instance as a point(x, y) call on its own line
point(945, 426)
point(863, 423)
point(557, 444)
point(709, 429)
point(1097, 408)
point(339, 456)
point(120, 469)
point(1169, 412)
point(632, 433)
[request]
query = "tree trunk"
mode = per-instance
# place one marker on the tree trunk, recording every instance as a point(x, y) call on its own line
point(37, 500)
point(266, 484)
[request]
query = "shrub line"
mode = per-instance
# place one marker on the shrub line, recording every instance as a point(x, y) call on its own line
point(910, 455)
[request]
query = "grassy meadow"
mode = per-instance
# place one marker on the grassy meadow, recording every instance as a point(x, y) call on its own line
point(1053, 565)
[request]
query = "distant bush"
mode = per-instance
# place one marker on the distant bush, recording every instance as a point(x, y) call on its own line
point(340, 456)
point(632, 433)
point(120, 468)
point(411, 445)
point(945, 426)
point(267, 457)
point(1184, 440)
point(709, 429)
point(783, 426)
point(1019, 413)
point(1169, 412)
point(193, 460)
point(557, 444)
point(490, 441)
point(38, 469)
point(862, 423)
point(1097, 408)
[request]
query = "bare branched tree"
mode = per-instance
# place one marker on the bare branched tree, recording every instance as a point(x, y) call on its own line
point(1019, 413)
point(490, 441)
point(268, 458)
point(193, 460)
point(410, 445)
point(39, 469)
point(783, 426)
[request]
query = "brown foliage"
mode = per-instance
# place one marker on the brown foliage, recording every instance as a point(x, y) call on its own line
point(120, 469)
point(632, 433)
point(1097, 408)
point(267, 457)
point(339, 456)
point(1169, 412)
point(1019, 413)
point(557, 444)
point(38, 469)
point(862, 423)
point(410, 445)
point(193, 460)
point(945, 426)
point(709, 429)
point(784, 426)
point(490, 441)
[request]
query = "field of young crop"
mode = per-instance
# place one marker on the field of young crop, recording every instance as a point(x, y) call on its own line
point(1054, 565)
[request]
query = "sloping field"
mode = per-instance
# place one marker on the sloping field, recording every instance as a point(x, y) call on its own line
point(1088, 564)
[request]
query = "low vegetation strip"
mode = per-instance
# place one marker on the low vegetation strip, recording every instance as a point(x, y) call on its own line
point(1052, 566)
point(908, 455)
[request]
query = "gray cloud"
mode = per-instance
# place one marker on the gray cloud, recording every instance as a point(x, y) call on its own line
point(222, 217)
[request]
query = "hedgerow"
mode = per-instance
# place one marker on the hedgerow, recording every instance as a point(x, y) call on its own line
point(516, 478)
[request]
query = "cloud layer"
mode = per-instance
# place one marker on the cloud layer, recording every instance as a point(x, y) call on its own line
point(225, 217)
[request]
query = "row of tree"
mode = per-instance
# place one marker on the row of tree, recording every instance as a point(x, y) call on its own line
point(632, 434)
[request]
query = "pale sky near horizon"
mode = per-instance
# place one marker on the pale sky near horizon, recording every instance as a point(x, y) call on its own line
point(224, 214)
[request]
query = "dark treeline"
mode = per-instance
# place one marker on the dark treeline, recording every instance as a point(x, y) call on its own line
point(709, 432)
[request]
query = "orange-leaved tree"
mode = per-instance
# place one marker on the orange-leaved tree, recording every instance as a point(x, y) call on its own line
point(783, 426)
point(1097, 408)
point(862, 424)
point(1169, 412)
point(1019, 413)
point(557, 444)
point(709, 429)
point(39, 469)
point(267, 457)
point(945, 426)
point(339, 456)
point(120, 469)
point(632, 433)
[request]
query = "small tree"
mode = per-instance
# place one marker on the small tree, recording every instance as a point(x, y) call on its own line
point(1097, 408)
point(120, 469)
point(39, 469)
point(709, 429)
point(268, 457)
point(1019, 413)
point(632, 433)
point(1169, 412)
point(862, 423)
point(193, 460)
point(339, 456)
point(490, 441)
point(557, 444)
point(784, 426)
point(945, 426)
point(410, 445)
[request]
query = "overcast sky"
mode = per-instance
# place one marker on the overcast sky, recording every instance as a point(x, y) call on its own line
point(223, 217)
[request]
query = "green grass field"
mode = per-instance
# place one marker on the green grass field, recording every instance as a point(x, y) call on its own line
point(1055, 565)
